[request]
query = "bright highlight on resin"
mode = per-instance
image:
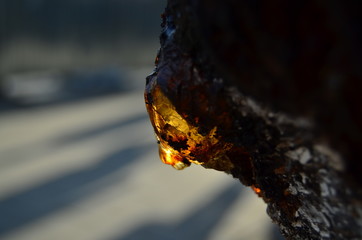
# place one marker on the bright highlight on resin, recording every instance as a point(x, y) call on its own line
point(179, 142)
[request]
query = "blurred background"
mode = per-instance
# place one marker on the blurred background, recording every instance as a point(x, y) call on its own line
point(78, 158)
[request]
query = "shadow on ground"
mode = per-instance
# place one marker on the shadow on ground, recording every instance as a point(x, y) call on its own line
point(32, 204)
point(198, 225)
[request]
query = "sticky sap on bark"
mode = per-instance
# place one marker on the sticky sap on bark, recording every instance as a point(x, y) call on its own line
point(180, 143)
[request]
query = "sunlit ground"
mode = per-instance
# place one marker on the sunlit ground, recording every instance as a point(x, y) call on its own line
point(89, 170)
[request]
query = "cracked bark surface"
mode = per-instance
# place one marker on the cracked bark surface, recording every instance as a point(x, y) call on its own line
point(268, 92)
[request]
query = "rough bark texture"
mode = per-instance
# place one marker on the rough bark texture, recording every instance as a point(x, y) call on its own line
point(276, 87)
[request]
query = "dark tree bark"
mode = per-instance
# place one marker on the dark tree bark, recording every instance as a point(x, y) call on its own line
point(269, 92)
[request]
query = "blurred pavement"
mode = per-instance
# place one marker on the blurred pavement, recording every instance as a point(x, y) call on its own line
point(89, 170)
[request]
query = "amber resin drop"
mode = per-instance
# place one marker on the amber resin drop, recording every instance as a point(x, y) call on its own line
point(180, 143)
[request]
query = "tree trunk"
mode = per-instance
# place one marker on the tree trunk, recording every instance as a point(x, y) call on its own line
point(269, 92)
